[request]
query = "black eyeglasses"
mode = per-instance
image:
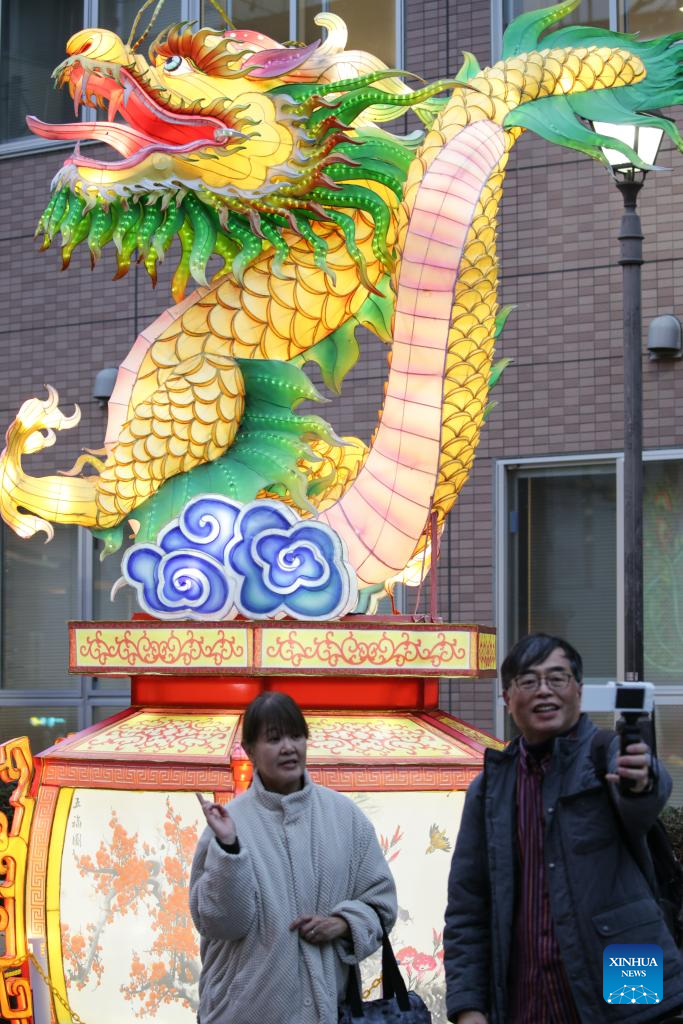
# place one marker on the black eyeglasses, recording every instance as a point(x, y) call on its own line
point(556, 679)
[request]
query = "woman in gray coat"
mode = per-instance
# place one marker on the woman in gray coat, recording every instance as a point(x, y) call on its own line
point(287, 884)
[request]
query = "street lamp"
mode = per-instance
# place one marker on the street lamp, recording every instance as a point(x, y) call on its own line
point(644, 140)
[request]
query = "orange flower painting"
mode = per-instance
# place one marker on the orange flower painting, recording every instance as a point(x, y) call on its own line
point(130, 875)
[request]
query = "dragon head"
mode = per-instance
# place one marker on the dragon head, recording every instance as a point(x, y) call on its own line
point(231, 138)
point(197, 113)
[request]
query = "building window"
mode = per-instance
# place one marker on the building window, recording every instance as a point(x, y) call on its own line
point(669, 734)
point(559, 567)
point(39, 595)
point(562, 556)
point(272, 17)
point(43, 586)
point(372, 27)
point(652, 17)
point(119, 15)
point(33, 36)
point(44, 724)
point(663, 571)
point(589, 12)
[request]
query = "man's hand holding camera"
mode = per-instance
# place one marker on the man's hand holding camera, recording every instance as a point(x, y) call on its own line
point(634, 766)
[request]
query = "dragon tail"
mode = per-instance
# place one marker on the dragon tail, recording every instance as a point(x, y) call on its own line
point(61, 499)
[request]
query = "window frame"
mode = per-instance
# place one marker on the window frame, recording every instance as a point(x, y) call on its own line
point(190, 11)
point(84, 693)
point(665, 693)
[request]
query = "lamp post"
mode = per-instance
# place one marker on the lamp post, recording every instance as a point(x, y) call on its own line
point(645, 141)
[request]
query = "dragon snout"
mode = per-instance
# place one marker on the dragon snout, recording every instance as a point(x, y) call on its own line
point(98, 44)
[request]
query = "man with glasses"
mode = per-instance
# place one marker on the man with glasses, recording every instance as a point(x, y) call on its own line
point(543, 878)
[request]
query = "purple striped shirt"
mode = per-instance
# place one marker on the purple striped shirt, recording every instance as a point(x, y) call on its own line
point(539, 988)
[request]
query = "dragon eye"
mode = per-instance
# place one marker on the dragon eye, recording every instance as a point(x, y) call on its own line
point(174, 63)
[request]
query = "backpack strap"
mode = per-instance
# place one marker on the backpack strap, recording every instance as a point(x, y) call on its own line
point(600, 744)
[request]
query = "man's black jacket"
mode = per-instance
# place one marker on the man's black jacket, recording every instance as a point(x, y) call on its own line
point(598, 894)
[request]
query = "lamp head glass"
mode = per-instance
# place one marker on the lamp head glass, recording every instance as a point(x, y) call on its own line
point(645, 140)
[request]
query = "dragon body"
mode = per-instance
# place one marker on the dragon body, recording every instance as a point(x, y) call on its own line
point(272, 159)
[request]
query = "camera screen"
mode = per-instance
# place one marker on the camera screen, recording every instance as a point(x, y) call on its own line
point(630, 698)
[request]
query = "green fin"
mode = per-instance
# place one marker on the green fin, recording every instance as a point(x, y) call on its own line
point(501, 319)
point(319, 485)
point(365, 595)
point(497, 371)
point(337, 354)
point(470, 67)
point(377, 311)
point(112, 538)
point(567, 120)
point(558, 124)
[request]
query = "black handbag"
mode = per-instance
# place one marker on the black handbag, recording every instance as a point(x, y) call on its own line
point(397, 1005)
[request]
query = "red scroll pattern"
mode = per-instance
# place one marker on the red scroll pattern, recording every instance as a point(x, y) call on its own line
point(383, 738)
point(185, 648)
point(164, 733)
point(350, 650)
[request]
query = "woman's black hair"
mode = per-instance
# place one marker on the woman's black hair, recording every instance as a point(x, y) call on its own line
point(532, 650)
point(272, 711)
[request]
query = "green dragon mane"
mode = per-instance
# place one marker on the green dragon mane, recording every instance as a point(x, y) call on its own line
point(322, 180)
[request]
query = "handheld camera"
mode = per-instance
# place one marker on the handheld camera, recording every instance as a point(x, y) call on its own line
point(634, 703)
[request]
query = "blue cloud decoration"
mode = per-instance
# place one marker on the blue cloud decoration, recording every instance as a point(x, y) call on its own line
point(221, 558)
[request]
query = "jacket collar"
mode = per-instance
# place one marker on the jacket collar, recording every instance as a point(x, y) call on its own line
point(290, 804)
point(562, 744)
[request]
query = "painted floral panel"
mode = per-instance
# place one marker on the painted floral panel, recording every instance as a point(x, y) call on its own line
point(128, 945)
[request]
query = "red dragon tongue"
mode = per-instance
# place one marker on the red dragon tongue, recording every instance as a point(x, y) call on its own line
point(125, 140)
point(77, 130)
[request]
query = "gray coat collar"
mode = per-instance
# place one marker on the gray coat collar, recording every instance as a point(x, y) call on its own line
point(290, 804)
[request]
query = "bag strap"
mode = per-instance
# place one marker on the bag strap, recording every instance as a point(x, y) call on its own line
point(393, 984)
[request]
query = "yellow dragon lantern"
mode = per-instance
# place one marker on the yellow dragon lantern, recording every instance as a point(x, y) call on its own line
point(271, 157)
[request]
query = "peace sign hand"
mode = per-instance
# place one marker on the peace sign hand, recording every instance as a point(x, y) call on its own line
point(219, 821)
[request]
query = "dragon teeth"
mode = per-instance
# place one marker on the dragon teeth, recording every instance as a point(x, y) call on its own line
point(84, 86)
point(117, 98)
